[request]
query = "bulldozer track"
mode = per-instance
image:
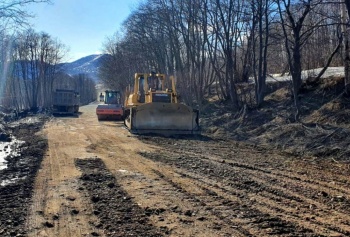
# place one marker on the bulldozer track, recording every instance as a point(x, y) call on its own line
point(303, 204)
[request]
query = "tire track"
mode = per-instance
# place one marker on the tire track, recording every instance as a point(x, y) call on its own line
point(227, 208)
point(298, 201)
point(264, 203)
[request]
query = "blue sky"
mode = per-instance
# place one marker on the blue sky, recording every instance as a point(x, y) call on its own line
point(82, 25)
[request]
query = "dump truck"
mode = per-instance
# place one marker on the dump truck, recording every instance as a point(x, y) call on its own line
point(112, 108)
point(152, 107)
point(65, 102)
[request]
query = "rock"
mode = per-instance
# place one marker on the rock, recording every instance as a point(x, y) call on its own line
point(74, 212)
point(111, 185)
point(95, 198)
point(188, 213)
point(48, 224)
point(323, 194)
point(70, 198)
point(98, 225)
point(96, 212)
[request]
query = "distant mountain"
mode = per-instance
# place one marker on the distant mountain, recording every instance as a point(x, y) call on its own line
point(87, 65)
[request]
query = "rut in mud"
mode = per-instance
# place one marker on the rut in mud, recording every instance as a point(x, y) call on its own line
point(118, 214)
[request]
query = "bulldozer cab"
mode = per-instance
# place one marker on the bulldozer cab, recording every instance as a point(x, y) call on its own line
point(155, 82)
point(141, 92)
point(150, 88)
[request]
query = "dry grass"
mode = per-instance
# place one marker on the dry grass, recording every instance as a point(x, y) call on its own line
point(322, 133)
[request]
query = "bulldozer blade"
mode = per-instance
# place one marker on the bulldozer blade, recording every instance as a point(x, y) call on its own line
point(163, 118)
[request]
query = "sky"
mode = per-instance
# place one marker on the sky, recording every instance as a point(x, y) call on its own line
point(81, 25)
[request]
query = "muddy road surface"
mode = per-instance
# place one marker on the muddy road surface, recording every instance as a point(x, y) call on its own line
point(96, 179)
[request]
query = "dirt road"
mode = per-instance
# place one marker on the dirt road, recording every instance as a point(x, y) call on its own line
point(98, 180)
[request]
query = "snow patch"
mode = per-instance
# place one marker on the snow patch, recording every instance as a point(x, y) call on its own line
point(8, 149)
point(331, 71)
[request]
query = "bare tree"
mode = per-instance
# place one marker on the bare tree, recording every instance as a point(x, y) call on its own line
point(118, 64)
point(85, 86)
point(294, 18)
point(170, 37)
point(222, 43)
point(13, 16)
point(13, 13)
point(227, 23)
point(34, 67)
point(345, 30)
point(261, 11)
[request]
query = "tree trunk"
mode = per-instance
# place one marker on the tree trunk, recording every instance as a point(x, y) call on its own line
point(344, 18)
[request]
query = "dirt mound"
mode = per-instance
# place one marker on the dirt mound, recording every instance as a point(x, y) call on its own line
point(18, 178)
point(336, 112)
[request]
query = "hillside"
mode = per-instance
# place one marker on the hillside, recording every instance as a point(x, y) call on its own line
point(88, 65)
point(322, 133)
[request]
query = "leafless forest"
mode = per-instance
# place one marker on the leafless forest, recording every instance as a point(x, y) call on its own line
point(213, 48)
point(29, 62)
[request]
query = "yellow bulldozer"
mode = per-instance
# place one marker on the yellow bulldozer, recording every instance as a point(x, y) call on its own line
point(152, 107)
